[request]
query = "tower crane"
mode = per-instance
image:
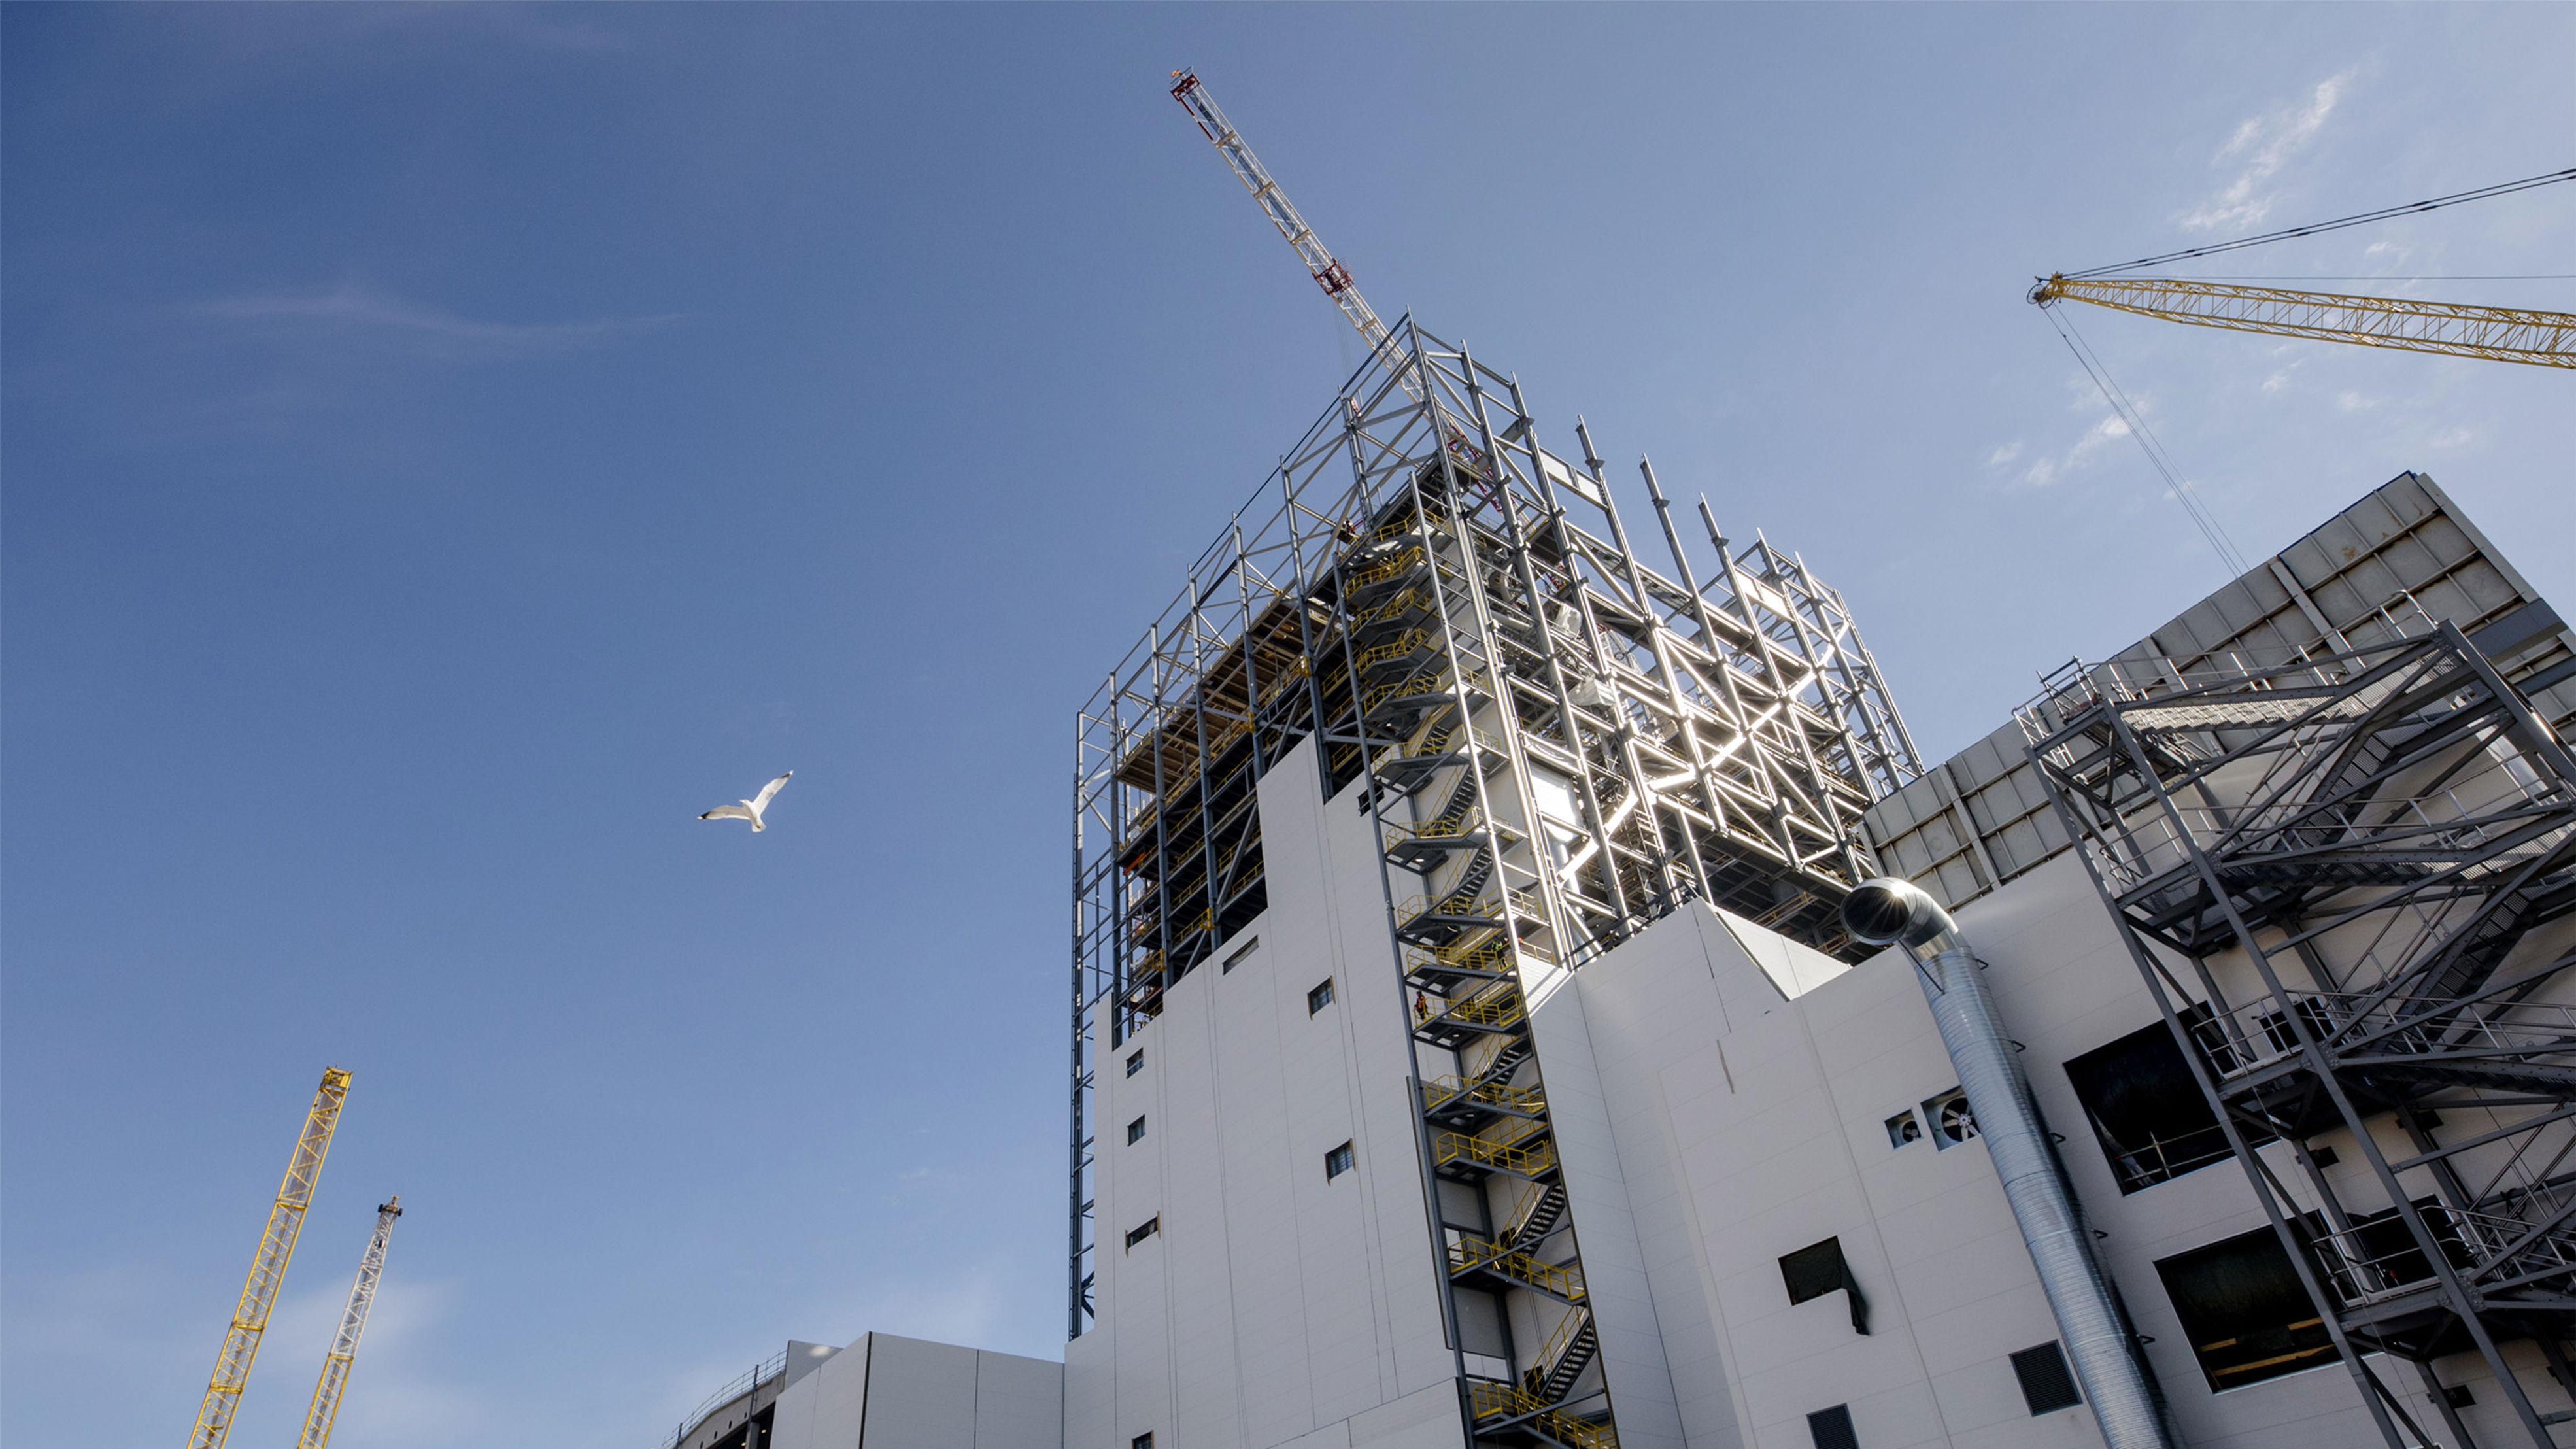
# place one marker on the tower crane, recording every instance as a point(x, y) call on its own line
point(268, 1265)
point(353, 1322)
point(1329, 273)
point(2454, 329)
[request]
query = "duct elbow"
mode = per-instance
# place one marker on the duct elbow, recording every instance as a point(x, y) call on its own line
point(1884, 910)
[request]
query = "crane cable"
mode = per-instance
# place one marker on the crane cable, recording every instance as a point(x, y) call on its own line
point(2384, 213)
point(2136, 422)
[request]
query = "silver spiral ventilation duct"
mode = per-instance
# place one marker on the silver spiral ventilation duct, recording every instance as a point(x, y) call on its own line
point(1888, 911)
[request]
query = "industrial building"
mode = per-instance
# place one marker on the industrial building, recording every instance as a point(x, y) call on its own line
point(1484, 1030)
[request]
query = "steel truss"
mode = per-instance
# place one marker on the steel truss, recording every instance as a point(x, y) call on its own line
point(1558, 745)
point(2350, 883)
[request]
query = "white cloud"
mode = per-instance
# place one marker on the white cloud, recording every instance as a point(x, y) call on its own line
point(2103, 429)
point(2450, 438)
point(2353, 402)
point(2260, 147)
point(2004, 454)
point(352, 306)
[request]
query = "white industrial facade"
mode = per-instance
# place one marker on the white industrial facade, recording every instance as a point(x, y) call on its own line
point(1780, 1227)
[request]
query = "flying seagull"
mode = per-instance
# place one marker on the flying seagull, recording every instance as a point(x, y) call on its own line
point(749, 809)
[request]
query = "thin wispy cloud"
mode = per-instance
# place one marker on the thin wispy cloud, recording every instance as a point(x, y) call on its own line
point(2049, 468)
point(2257, 151)
point(355, 308)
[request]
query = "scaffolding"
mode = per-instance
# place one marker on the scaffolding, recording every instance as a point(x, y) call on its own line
point(2349, 881)
point(1558, 745)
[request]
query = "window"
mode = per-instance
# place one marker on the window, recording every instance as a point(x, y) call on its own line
point(1818, 1269)
point(1904, 1127)
point(1832, 1428)
point(1135, 1061)
point(2244, 1311)
point(2147, 1111)
point(1338, 1161)
point(1141, 1441)
point(1320, 997)
point(1236, 958)
point(1146, 1229)
point(1136, 1130)
point(2046, 1385)
point(1953, 1121)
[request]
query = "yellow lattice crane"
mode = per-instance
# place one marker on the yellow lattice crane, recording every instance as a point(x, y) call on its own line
point(268, 1266)
point(2501, 334)
point(353, 1323)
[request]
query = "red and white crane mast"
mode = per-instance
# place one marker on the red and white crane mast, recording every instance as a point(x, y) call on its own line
point(1329, 274)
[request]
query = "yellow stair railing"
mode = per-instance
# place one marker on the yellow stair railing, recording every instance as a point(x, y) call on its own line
point(1526, 1155)
point(1500, 1401)
point(1440, 1091)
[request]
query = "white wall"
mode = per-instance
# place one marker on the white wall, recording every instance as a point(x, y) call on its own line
point(905, 1393)
point(1745, 1125)
point(1273, 1307)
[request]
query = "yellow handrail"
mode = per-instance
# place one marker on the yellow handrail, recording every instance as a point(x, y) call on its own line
point(1494, 1401)
point(1515, 1154)
point(1440, 1090)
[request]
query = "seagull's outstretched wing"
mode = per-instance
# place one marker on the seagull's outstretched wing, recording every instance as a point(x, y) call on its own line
point(761, 800)
point(729, 812)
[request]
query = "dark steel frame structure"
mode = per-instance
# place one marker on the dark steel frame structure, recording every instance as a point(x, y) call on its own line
point(2349, 881)
point(1408, 591)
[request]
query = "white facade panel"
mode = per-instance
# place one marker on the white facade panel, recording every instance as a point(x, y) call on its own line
point(1272, 1304)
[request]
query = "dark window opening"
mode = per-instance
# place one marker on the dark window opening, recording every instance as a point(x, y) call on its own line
point(1135, 1061)
point(1832, 1428)
point(2046, 1384)
point(1146, 1229)
point(1141, 1441)
point(1818, 1269)
point(2242, 1307)
point(1338, 1161)
point(1236, 957)
point(1136, 1130)
point(2146, 1109)
point(1320, 997)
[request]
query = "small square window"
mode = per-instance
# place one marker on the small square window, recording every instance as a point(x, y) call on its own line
point(1338, 1161)
point(1236, 957)
point(1136, 1130)
point(2046, 1385)
point(1903, 1128)
point(1832, 1428)
point(1146, 1229)
point(1320, 997)
point(1135, 1061)
point(1141, 1441)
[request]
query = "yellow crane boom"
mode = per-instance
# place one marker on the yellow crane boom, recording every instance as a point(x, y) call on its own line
point(353, 1323)
point(268, 1265)
point(2500, 334)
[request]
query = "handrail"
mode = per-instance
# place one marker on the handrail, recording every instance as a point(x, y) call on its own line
point(1508, 1154)
point(1442, 1090)
point(1487, 1399)
point(739, 1386)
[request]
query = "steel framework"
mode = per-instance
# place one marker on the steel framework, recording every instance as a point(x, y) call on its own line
point(2453, 329)
point(1557, 743)
point(268, 1264)
point(2350, 883)
point(324, 1411)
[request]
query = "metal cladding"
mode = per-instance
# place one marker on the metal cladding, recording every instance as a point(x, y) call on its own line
point(2100, 1345)
point(2349, 882)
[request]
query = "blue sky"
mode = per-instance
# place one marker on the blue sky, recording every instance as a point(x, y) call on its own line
point(448, 449)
